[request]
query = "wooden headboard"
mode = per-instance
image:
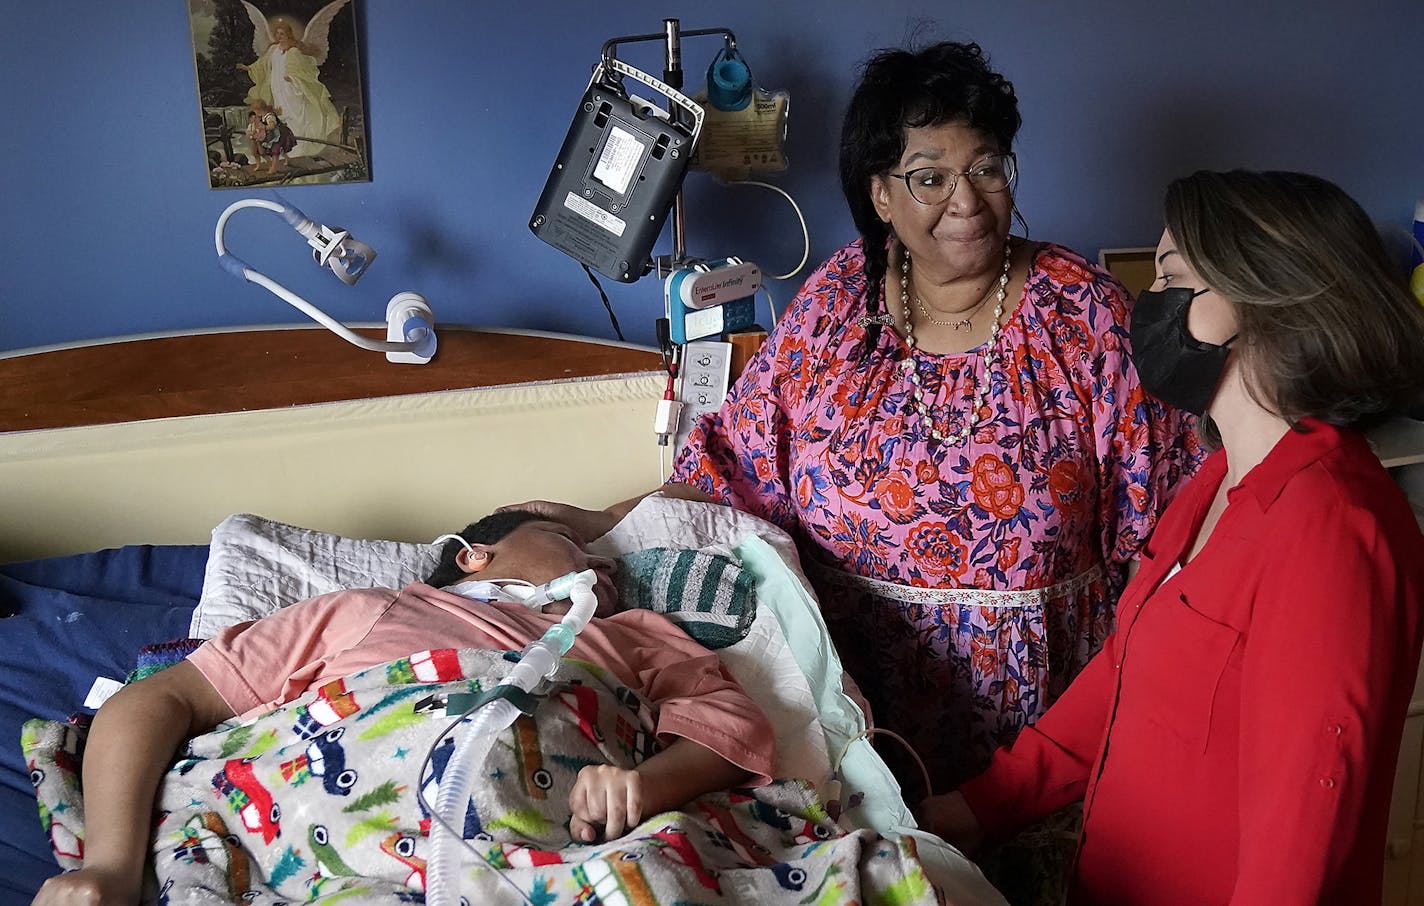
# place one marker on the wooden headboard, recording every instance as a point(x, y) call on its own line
point(155, 440)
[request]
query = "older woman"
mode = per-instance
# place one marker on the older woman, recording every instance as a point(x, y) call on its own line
point(1236, 738)
point(947, 418)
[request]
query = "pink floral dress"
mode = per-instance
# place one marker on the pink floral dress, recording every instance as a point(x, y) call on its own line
point(964, 586)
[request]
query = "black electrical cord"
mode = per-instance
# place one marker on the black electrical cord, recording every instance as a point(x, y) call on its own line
point(663, 328)
point(606, 304)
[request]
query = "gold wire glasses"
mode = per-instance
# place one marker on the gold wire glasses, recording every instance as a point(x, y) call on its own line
point(932, 185)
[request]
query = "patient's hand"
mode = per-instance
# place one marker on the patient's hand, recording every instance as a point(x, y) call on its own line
point(950, 817)
point(605, 800)
point(90, 886)
point(589, 524)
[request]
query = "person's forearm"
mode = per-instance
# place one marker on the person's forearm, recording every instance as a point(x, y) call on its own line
point(131, 743)
point(675, 490)
point(682, 772)
point(619, 510)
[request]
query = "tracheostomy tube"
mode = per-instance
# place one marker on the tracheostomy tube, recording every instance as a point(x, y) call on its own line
point(540, 659)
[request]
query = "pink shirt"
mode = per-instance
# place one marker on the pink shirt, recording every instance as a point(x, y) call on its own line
point(258, 665)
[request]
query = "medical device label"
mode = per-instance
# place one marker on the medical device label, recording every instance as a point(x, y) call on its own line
point(102, 690)
point(592, 212)
point(704, 323)
point(619, 161)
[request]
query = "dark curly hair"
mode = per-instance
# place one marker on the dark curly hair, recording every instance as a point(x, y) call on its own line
point(1328, 326)
point(948, 82)
point(489, 530)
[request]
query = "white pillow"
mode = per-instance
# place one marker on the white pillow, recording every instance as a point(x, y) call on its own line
point(659, 521)
point(256, 566)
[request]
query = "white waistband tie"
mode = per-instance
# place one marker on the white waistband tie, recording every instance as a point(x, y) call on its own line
point(957, 597)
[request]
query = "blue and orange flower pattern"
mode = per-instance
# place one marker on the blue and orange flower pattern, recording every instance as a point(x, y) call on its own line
point(1064, 474)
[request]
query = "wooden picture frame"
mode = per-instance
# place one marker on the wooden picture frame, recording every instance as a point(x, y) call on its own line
point(279, 92)
point(1135, 267)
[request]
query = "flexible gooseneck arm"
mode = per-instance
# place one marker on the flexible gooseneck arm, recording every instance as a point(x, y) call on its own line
point(348, 258)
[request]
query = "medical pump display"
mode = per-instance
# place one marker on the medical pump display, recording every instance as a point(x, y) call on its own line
point(618, 178)
point(710, 298)
point(620, 167)
point(410, 324)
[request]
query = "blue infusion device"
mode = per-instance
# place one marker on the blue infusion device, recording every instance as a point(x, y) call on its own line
point(711, 298)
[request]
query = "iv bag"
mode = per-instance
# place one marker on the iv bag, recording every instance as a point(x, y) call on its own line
point(744, 128)
point(738, 143)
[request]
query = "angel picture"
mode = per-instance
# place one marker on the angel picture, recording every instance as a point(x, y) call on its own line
point(286, 74)
point(286, 68)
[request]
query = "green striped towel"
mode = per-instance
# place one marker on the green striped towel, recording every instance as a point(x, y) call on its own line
point(707, 595)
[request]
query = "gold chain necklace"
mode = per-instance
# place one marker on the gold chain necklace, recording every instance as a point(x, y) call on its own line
point(962, 323)
point(981, 388)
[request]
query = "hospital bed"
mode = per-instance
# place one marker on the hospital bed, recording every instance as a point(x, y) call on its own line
point(121, 463)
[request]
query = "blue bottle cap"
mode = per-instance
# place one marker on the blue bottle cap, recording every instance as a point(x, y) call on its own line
point(729, 82)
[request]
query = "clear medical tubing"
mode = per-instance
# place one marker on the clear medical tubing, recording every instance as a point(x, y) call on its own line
point(540, 659)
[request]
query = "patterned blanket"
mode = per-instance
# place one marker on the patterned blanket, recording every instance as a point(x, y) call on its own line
point(318, 801)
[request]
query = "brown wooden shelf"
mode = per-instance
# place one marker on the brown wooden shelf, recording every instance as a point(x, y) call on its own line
point(202, 373)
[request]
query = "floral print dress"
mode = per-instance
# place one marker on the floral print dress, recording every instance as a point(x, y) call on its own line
point(966, 585)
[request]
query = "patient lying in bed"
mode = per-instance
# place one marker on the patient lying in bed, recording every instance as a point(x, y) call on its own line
point(711, 735)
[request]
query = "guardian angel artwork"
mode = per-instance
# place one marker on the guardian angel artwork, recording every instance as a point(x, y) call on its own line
point(280, 92)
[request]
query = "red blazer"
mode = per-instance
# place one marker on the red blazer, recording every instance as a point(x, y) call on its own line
point(1235, 740)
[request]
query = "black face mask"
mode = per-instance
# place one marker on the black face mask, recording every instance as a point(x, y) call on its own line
point(1174, 366)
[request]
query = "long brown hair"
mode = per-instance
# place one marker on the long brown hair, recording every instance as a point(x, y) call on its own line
point(1329, 328)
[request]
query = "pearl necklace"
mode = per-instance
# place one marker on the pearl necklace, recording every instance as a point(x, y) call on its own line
point(981, 389)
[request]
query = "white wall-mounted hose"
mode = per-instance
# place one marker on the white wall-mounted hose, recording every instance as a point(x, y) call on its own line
point(419, 336)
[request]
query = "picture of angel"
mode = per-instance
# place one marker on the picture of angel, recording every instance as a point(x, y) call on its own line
point(280, 91)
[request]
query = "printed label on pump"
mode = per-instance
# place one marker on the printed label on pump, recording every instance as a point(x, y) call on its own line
point(590, 211)
point(619, 161)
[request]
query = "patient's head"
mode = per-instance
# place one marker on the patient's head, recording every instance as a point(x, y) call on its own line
point(517, 544)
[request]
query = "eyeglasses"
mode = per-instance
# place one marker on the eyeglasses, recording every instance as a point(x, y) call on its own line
point(932, 185)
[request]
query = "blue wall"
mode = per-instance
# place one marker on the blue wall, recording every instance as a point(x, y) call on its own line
point(107, 225)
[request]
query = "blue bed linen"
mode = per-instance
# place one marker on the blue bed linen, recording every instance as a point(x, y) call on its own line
point(69, 620)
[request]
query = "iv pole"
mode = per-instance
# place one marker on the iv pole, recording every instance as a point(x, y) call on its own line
point(672, 74)
point(671, 36)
